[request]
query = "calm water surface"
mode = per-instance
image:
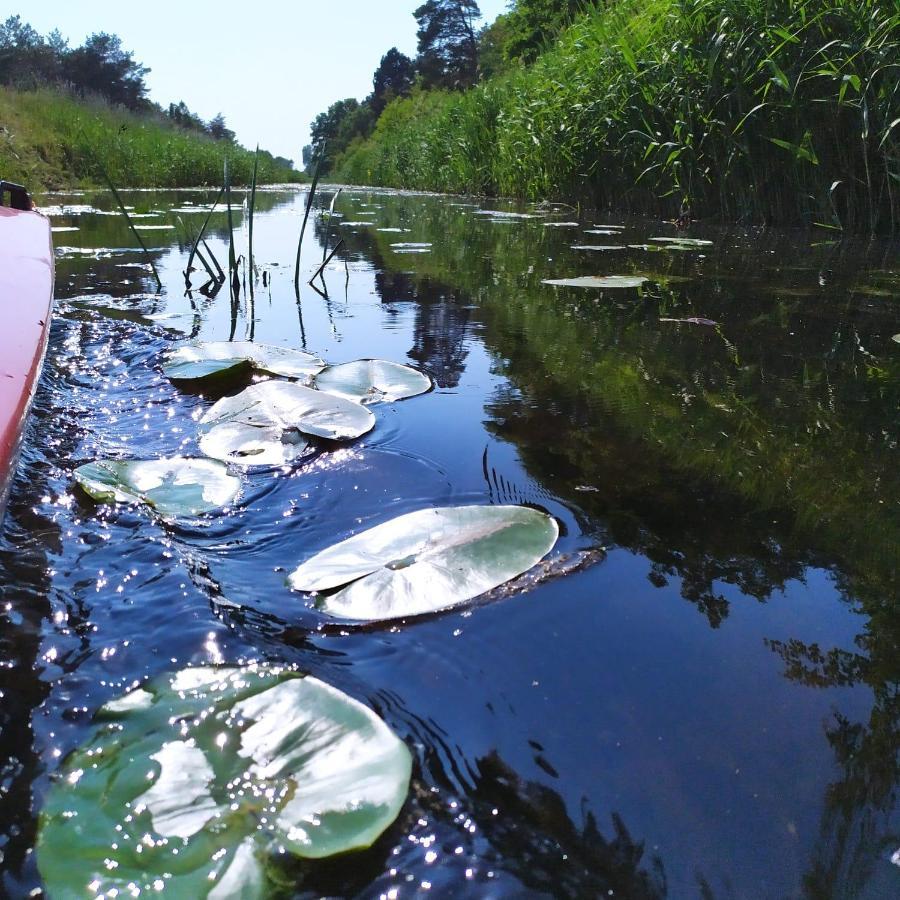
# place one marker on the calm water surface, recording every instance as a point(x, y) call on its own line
point(701, 697)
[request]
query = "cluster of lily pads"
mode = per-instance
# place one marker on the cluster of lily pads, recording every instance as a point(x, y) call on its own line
point(417, 563)
point(197, 783)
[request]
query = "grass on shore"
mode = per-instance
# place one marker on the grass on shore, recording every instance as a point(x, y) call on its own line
point(51, 140)
point(748, 110)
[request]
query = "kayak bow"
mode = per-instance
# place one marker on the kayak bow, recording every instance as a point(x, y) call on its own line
point(26, 299)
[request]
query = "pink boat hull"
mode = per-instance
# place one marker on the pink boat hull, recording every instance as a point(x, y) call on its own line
point(26, 301)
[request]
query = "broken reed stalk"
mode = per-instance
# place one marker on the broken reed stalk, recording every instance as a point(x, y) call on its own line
point(309, 202)
point(134, 231)
point(232, 260)
point(328, 223)
point(215, 262)
point(203, 229)
point(250, 217)
point(325, 262)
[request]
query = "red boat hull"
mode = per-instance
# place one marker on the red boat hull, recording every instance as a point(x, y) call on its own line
point(26, 300)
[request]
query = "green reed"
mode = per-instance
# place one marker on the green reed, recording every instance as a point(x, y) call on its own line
point(746, 110)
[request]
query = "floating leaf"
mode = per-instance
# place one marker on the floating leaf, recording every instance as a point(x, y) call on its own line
point(896, 338)
point(561, 224)
point(683, 241)
point(692, 320)
point(195, 362)
point(606, 231)
point(500, 215)
point(600, 281)
point(411, 248)
point(599, 247)
point(373, 381)
point(427, 560)
point(266, 424)
point(192, 781)
point(173, 487)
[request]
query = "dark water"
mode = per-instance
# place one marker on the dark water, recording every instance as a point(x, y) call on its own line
point(703, 703)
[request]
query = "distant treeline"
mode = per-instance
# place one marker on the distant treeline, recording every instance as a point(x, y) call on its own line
point(760, 111)
point(101, 73)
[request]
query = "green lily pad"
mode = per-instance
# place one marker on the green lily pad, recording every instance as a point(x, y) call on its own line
point(195, 362)
point(268, 423)
point(173, 487)
point(372, 381)
point(599, 281)
point(426, 561)
point(192, 782)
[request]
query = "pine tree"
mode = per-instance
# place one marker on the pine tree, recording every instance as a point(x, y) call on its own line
point(448, 45)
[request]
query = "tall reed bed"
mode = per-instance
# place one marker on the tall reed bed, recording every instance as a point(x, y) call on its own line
point(751, 110)
point(49, 139)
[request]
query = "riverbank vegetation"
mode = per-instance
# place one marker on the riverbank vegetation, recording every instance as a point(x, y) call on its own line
point(67, 115)
point(767, 111)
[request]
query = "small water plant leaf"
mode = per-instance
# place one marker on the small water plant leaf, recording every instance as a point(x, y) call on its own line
point(173, 487)
point(683, 241)
point(692, 320)
point(604, 231)
point(410, 247)
point(189, 784)
point(599, 247)
point(373, 381)
point(599, 281)
point(500, 215)
point(196, 362)
point(426, 561)
point(896, 338)
point(268, 423)
point(561, 224)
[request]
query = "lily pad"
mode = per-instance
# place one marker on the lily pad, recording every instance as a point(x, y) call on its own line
point(683, 241)
point(599, 281)
point(692, 320)
point(373, 381)
point(192, 782)
point(174, 487)
point(195, 362)
point(427, 560)
point(411, 247)
point(267, 423)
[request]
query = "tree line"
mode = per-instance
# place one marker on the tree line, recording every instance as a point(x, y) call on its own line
point(101, 67)
point(453, 53)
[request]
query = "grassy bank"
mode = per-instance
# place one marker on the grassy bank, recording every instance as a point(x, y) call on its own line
point(747, 110)
point(50, 140)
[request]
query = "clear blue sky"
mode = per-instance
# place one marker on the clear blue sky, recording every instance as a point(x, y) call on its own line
point(269, 65)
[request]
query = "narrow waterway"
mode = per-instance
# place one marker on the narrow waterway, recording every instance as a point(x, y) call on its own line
point(699, 696)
